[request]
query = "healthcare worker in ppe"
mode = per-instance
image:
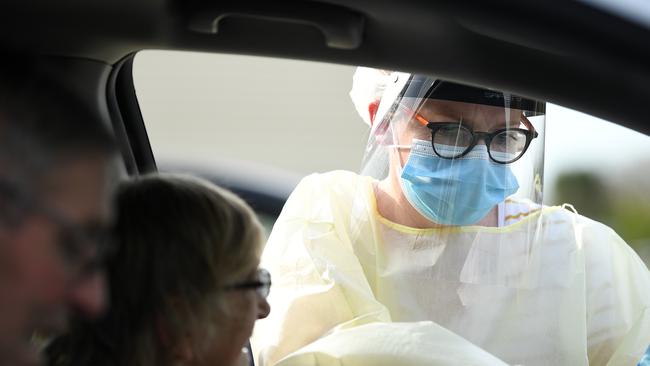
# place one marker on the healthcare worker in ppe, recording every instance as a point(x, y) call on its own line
point(440, 252)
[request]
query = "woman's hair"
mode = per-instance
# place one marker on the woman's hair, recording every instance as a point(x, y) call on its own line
point(180, 240)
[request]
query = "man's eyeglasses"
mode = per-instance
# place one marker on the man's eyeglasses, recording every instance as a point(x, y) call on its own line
point(452, 140)
point(83, 248)
point(262, 284)
point(86, 248)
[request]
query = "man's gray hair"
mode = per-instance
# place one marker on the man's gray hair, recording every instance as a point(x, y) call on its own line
point(42, 124)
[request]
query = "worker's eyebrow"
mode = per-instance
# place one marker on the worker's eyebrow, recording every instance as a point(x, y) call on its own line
point(439, 110)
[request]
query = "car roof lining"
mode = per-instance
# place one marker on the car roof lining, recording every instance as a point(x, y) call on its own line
point(555, 50)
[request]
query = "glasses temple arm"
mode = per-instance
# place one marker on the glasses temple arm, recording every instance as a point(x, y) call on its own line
point(418, 117)
point(528, 124)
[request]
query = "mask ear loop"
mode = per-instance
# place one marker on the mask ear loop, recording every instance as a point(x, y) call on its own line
point(396, 147)
point(411, 115)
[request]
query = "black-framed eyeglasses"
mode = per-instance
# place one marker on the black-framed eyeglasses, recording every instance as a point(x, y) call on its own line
point(83, 248)
point(261, 285)
point(452, 140)
point(504, 146)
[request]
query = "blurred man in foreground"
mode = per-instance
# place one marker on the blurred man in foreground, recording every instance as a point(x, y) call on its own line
point(55, 163)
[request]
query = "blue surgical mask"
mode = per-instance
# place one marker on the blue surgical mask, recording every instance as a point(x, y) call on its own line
point(458, 191)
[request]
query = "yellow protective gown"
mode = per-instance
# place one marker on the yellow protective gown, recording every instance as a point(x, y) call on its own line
point(352, 288)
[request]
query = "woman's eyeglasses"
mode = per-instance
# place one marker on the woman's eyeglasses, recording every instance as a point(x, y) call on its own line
point(262, 285)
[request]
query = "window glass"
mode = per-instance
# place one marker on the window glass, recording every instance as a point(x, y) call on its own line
point(253, 124)
point(601, 169)
point(260, 124)
point(286, 115)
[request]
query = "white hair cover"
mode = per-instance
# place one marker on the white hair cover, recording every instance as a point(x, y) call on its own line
point(368, 86)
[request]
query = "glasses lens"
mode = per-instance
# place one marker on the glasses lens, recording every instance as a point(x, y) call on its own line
point(264, 290)
point(450, 141)
point(85, 249)
point(508, 145)
point(265, 280)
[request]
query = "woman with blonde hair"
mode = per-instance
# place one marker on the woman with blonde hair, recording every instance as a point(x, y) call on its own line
point(185, 288)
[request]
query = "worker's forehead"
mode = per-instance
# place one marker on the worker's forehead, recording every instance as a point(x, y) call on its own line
point(467, 110)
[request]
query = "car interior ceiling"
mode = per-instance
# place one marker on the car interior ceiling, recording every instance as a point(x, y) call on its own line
point(563, 52)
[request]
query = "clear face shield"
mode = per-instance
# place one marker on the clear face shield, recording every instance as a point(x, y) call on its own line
point(456, 152)
point(418, 244)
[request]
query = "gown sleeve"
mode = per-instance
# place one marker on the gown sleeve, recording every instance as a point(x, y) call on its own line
point(618, 298)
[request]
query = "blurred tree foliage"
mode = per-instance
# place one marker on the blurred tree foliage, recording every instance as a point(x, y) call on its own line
point(625, 208)
point(587, 193)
